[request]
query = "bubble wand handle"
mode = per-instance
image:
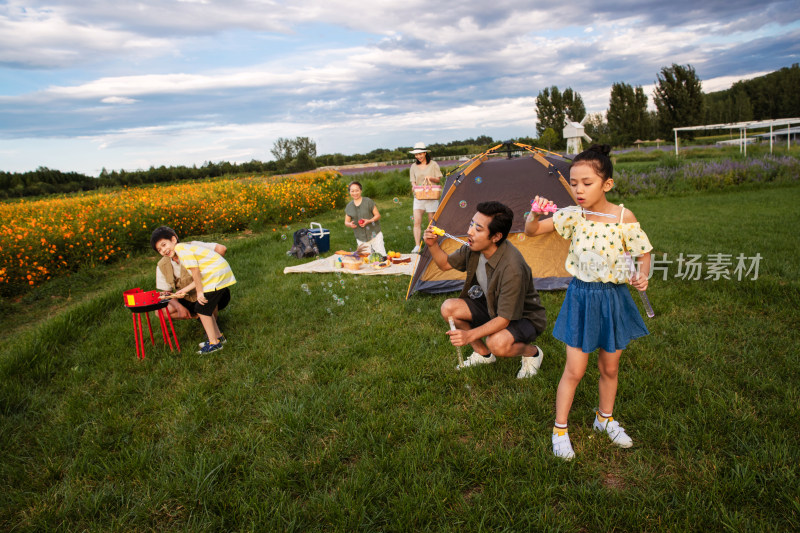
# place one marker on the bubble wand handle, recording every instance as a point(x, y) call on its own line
point(646, 302)
point(458, 348)
point(642, 294)
point(442, 233)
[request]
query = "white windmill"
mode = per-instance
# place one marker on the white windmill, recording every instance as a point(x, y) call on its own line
point(573, 133)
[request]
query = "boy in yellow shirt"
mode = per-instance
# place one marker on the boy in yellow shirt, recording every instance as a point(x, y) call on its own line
point(212, 275)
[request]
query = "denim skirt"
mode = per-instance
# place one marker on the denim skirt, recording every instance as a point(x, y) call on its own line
point(598, 315)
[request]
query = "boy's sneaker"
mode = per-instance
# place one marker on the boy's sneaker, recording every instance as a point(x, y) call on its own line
point(530, 365)
point(615, 432)
point(208, 348)
point(562, 447)
point(477, 359)
point(221, 339)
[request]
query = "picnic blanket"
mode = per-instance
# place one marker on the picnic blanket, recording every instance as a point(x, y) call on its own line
point(326, 264)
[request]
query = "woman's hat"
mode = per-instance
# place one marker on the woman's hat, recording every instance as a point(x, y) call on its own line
point(419, 148)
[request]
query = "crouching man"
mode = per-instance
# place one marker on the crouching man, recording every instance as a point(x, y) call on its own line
point(498, 311)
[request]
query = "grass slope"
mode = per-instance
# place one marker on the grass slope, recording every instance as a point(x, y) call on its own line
point(317, 416)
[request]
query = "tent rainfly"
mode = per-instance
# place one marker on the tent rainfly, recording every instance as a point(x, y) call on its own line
point(513, 181)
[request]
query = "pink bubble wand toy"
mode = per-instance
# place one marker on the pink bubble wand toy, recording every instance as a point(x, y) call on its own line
point(552, 208)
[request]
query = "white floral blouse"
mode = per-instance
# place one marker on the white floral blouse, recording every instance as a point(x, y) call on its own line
point(598, 249)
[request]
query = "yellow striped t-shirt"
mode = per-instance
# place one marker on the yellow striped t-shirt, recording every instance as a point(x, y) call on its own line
point(215, 272)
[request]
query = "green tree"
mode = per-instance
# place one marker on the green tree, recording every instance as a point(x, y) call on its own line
point(553, 106)
point(679, 98)
point(295, 155)
point(743, 108)
point(283, 149)
point(627, 114)
point(549, 138)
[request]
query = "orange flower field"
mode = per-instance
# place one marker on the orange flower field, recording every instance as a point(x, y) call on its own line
point(41, 239)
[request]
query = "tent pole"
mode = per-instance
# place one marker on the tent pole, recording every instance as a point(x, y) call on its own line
point(676, 142)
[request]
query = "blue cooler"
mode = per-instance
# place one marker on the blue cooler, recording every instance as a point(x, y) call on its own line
point(322, 236)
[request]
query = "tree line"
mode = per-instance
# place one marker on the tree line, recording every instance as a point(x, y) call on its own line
point(291, 155)
point(44, 180)
point(679, 101)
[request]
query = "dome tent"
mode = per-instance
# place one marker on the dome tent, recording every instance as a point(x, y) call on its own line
point(502, 175)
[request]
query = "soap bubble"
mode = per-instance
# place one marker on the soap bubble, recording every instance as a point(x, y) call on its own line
point(525, 216)
point(302, 209)
point(419, 310)
point(340, 301)
point(408, 228)
point(335, 297)
point(328, 309)
point(283, 237)
point(462, 204)
point(396, 200)
point(387, 294)
point(520, 237)
point(411, 218)
point(341, 282)
point(478, 180)
point(475, 292)
point(330, 284)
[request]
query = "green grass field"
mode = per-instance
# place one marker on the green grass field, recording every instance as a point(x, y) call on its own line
point(318, 416)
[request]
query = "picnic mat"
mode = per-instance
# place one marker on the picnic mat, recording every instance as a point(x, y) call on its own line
point(325, 264)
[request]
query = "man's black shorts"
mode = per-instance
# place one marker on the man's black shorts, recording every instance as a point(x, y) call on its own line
point(216, 299)
point(522, 330)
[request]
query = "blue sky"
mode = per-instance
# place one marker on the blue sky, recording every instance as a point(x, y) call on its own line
point(93, 84)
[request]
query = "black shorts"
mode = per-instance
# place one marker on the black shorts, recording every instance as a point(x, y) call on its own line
point(216, 300)
point(522, 330)
point(187, 304)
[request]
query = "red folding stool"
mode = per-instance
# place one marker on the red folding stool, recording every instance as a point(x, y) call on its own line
point(139, 303)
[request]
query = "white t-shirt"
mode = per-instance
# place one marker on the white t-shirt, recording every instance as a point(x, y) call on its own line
point(161, 281)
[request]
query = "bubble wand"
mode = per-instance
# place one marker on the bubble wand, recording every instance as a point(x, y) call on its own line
point(642, 294)
point(442, 233)
point(458, 348)
point(552, 208)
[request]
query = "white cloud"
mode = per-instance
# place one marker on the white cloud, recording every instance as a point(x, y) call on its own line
point(194, 80)
point(725, 82)
point(118, 100)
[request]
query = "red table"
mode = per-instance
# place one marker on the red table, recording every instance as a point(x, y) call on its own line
point(163, 317)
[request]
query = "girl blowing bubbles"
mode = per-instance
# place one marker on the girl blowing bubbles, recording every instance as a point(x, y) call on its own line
point(598, 311)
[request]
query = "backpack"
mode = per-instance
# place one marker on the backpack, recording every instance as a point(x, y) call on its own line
point(304, 244)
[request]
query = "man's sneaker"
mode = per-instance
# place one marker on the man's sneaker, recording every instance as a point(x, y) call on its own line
point(562, 447)
point(530, 365)
point(615, 432)
point(415, 250)
point(221, 339)
point(208, 348)
point(477, 359)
